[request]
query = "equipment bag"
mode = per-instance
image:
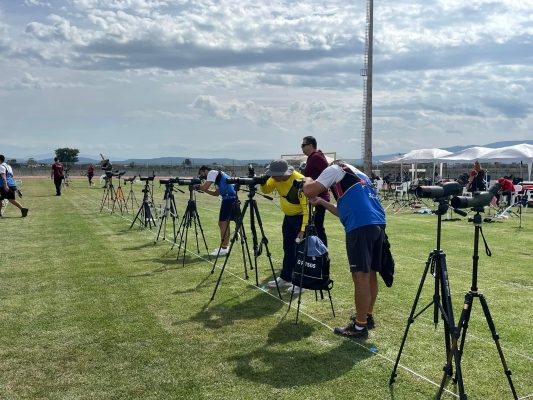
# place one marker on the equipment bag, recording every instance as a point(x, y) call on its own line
point(314, 266)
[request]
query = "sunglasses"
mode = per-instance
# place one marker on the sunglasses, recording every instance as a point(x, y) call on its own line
point(304, 144)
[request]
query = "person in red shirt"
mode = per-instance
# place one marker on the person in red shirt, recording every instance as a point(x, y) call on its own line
point(57, 174)
point(507, 189)
point(90, 174)
point(316, 163)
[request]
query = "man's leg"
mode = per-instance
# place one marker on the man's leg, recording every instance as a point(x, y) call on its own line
point(320, 213)
point(224, 232)
point(16, 204)
point(290, 229)
point(57, 183)
point(363, 296)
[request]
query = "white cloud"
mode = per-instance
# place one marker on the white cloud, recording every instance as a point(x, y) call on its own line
point(444, 70)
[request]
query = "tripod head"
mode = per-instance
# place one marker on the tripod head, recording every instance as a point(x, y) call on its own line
point(130, 180)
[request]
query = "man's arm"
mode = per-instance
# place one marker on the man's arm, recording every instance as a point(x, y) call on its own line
point(4, 179)
point(313, 188)
point(269, 186)
point(318, 201)
point(204, 187)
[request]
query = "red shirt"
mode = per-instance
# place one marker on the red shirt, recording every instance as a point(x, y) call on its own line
point(507, 185)
point(57, 169)
point(316, 163)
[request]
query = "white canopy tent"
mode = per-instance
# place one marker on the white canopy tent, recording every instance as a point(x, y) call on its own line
point(421, 156)
point(518, 153)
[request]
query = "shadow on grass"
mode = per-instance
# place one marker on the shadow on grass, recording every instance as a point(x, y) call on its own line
point(232, 310)
point(285, 367)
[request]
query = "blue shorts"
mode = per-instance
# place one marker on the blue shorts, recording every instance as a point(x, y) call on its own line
point(227, 211)
point(364, 248)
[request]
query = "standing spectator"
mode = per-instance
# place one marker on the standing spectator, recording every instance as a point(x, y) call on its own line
point(363, 217)
point(294, 206)
point(8, 187)
point(90, 174)
point(316, 163)
point(477, 181)
point(58, 173)
point(227, 206)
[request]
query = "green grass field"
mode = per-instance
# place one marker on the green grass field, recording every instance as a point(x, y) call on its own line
point(90, 309)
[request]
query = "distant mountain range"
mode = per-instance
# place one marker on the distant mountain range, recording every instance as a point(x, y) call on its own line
point(229, 161)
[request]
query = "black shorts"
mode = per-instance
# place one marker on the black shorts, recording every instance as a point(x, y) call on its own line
point(8, 195)
point(227, 211)
point(364, 247)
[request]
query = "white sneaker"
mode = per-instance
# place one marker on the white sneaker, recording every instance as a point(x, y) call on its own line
point(223, 252)
point(281, 283)
point(295, 289)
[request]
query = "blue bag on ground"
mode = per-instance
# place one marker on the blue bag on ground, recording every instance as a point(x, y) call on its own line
point(315, 267)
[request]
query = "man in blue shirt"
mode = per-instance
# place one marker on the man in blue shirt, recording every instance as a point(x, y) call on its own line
point(363, 217)
point(227, 207)
point(8, 187)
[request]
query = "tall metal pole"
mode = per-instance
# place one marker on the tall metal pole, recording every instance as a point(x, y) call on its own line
point(367, 90)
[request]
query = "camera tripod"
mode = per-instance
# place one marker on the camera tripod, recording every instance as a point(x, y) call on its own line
point(109, 194)
point(441, 302)
point(119, 198)
point(459, 334)
point(250, 203)
point(131, 194)
point(310, 230)
point(145, 215)
point(236, 213)
point(190, 217)
point(170, 210)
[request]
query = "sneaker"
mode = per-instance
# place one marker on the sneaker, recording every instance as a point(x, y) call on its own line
point(223, 252)
point(351, 332)
point(24, 212)
point(281, 283)
point(296, 289)
point(370, 323)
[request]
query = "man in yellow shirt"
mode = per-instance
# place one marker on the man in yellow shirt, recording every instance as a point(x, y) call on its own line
point(294, 206)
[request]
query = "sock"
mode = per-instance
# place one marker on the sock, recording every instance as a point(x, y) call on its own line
point(360, 325)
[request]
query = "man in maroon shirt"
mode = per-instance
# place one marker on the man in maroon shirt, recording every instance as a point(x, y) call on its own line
point(57, 174)
point(316, 163)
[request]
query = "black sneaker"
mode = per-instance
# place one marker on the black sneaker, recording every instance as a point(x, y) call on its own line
point(24, 212)
point(370, 323)
point(351, 332)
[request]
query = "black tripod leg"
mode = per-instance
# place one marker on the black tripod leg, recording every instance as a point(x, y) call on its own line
point(496, 339)
point(454, 353)
point(222, 269)
point(178, 232)
point(188, 225)
point(245, 252)
point(137, 216)
point(202, 233)
point(264, 241)
point(411, 318)
point(446, 303)
point(331, 302)
point(238, 226)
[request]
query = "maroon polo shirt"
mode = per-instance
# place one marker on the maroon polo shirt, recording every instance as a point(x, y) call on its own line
point(316, 163)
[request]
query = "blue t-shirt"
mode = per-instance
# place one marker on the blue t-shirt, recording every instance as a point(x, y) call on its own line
point(5, 168)
point(227, 191)
point(357, 205)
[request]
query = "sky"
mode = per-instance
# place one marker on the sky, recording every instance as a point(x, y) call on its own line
point(248, 79)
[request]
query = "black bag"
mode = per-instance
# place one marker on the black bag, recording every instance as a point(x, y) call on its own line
point(387, 263)
point(315, 267)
